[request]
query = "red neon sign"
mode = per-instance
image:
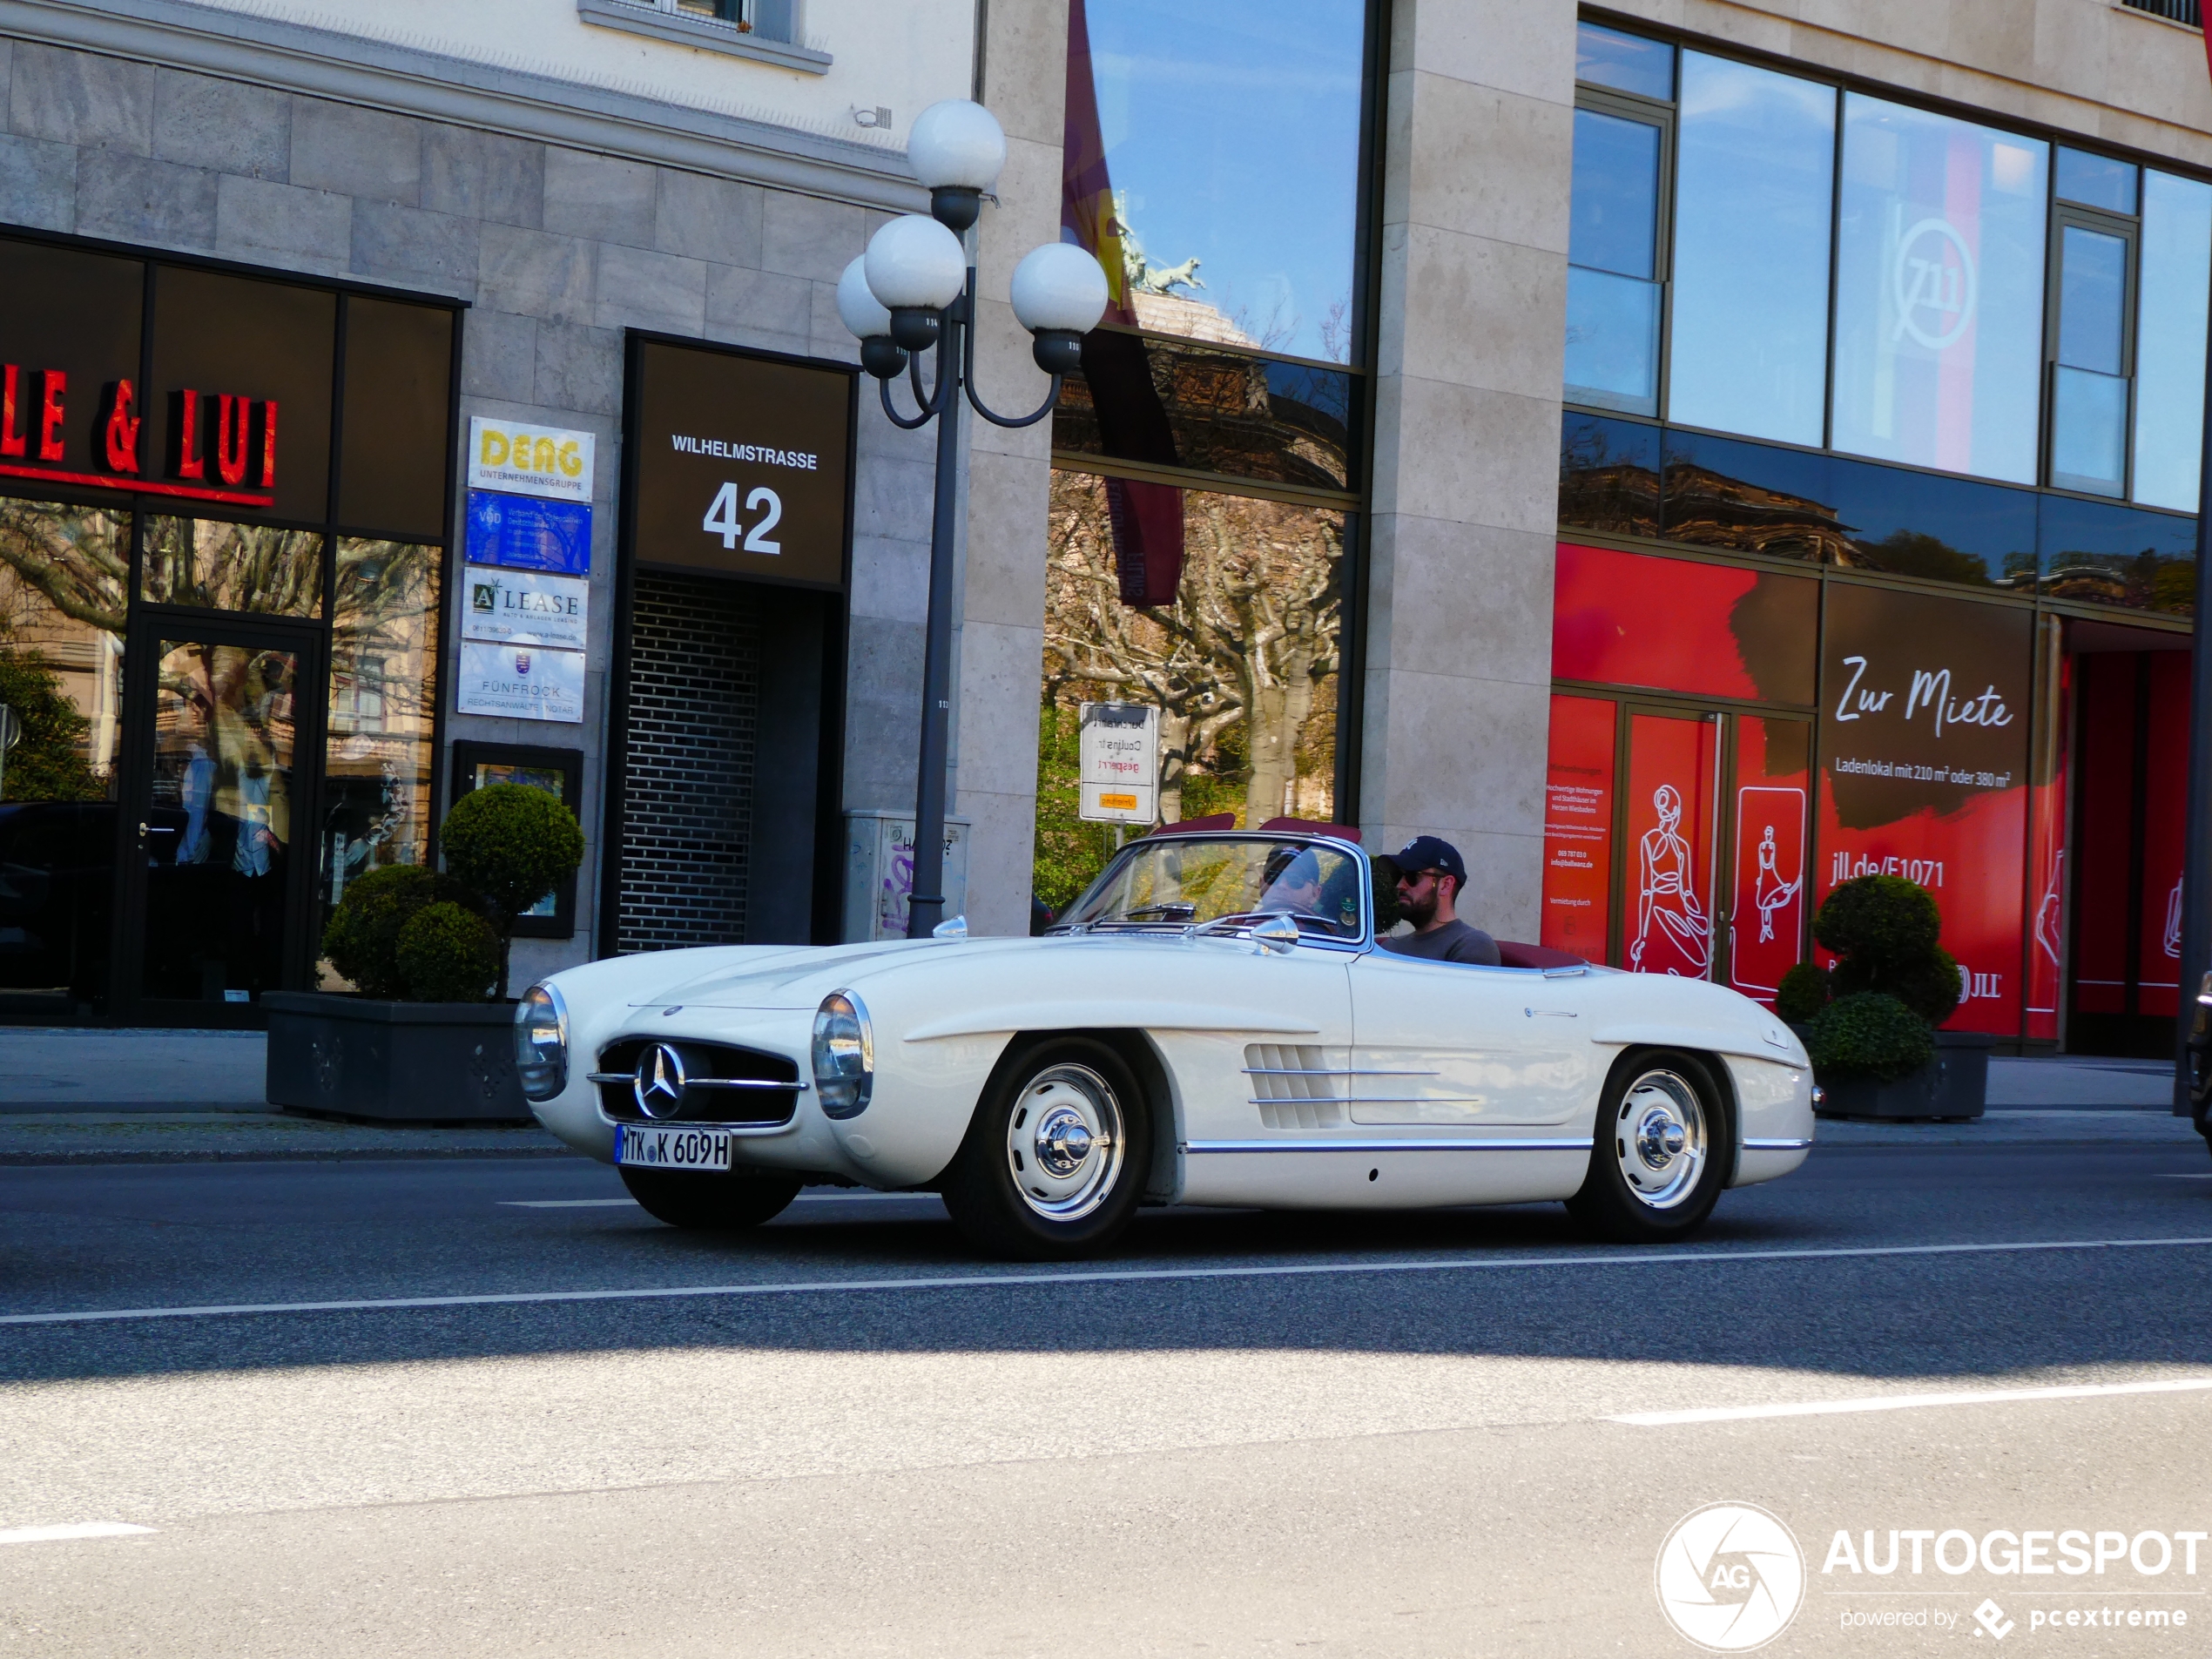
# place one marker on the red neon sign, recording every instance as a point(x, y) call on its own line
point(234, 419)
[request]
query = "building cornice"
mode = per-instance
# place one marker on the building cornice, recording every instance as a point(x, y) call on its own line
point(407, 80)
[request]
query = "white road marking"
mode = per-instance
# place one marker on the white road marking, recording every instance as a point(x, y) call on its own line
point(1102, 1276)
point(1908, 1402)
point(609, 1204)
point(2185, 1177)
point(75, 1529)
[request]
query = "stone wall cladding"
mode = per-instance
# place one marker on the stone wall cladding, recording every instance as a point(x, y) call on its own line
point(556, 250)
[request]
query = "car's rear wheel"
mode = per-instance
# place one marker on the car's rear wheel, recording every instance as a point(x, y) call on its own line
point(709, 1202)
point(1054, 1163)
point(1661, 1153)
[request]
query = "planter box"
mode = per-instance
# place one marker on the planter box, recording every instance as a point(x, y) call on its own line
point(415, 1062)
point(1953, 1086)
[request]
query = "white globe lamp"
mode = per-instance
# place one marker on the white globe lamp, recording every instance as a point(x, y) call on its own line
point(1059, 294)
point(957, 149)
point(915, 268)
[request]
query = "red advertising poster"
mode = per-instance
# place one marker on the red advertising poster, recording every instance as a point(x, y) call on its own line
point(1923, 772)
point(1770, 856)
point(2158, 964)
point(1681, 625)
point(1667, 926)
point(2108, 795)
point(1578, 827)
point(2046, 855)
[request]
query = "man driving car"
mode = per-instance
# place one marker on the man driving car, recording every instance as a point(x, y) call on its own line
point(1431, 876)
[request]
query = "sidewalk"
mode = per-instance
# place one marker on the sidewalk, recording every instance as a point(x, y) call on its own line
point(160, 1097)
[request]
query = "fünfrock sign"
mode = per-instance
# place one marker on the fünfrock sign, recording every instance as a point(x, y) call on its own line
point(1119, 761)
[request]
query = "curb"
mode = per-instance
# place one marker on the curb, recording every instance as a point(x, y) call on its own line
point(326, 1155)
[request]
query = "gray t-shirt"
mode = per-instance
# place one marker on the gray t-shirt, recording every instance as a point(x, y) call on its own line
point(1453, 942)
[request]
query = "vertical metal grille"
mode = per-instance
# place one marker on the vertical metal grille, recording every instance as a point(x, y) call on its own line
point(687, 794)
point(2188, 12)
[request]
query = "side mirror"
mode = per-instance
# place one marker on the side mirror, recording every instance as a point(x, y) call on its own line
point(1276, 935)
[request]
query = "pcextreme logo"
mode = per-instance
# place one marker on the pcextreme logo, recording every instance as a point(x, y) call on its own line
point(1730, 1577)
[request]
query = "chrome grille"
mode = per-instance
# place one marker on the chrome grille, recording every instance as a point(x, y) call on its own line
point(704, 1065)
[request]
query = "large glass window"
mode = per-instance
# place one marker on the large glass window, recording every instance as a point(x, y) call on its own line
point(63, 593)
point(2090, 379)
point(1613, 262)
point(1242, 665)
point(376, 789)
point(1215, 168)
point(2170, 332)
point(1748, 342)
point(1939, 288)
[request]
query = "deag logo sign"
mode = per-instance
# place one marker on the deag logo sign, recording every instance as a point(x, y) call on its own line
point(1730, 1577)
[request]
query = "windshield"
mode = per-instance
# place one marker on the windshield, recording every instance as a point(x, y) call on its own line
point(1173, 881)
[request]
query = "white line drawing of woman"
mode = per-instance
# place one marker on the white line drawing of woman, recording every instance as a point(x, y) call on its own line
point(2173, 920)
point(1769, 893)
point(2047, 912)
point(1668, 899)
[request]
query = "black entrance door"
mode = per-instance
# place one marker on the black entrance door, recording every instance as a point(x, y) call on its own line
point(217, 876)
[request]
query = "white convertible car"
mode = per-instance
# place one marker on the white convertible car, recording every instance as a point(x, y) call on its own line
point(1210, 1024)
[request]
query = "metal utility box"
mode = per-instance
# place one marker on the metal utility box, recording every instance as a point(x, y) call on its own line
point(880, 873)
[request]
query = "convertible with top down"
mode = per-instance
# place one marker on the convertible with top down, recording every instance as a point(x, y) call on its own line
point(1211, 1023)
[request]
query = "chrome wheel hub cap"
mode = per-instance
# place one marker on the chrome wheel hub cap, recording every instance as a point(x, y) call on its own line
point(1659, 1137)
point(1064, 1142)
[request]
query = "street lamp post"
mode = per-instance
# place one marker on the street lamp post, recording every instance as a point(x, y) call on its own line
point(914, 290)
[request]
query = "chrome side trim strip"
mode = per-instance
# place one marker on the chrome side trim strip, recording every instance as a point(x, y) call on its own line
point(1293, 1071)
point(1195, 1148)
point(1786, 1145)
point(700, 1083)
point(1371, 1100)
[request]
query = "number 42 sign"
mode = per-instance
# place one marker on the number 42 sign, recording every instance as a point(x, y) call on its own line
point(721, 518)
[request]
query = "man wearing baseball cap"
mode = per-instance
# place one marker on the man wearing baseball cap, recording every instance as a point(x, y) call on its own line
point(1430, 874)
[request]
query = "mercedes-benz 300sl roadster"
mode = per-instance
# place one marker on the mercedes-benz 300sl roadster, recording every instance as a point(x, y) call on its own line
point(1211, 1023)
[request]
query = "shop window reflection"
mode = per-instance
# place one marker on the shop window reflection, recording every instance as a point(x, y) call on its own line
point(1242, 665)
point(1171, 403)
point(64, 573)
point(2093, 554)
point(215, 566)
point(1608, 475)
point(383, 695)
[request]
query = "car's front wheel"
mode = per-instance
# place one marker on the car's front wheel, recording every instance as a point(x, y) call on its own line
point(1661, 1153)
point(1054, 1163)
point(708, 1201)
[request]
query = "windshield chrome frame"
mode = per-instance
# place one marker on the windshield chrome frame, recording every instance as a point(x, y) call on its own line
point(1193, 929)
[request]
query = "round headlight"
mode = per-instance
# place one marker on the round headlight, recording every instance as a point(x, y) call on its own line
point(844, 1055)
point(542, 1043)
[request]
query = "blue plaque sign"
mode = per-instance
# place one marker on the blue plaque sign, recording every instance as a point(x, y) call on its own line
point(529, 533)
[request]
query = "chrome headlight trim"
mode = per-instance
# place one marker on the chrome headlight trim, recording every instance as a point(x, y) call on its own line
point(843, 1052)
point(541, 1068)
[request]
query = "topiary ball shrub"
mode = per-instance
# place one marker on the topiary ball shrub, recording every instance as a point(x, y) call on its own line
point(1803, 994)
point(1883, 928)
point(1870, 1034)
point(447, 953)
point(511, 844)
point(363, 939)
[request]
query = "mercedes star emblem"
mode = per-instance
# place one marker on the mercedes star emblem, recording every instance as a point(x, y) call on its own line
point(658, 1085)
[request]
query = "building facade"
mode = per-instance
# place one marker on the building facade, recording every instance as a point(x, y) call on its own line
point(1686, 454)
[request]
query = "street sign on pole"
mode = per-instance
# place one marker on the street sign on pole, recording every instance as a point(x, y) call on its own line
point(1119, 781)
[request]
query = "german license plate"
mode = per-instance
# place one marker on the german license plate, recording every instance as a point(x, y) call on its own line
point(672, 1148)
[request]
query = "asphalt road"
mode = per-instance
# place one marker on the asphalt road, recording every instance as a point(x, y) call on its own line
point(1243, 1434)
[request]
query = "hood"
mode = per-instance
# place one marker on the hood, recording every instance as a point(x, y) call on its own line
point(797, 977)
